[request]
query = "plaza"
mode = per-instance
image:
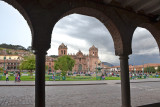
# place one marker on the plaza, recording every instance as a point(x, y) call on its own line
point(81, 93)
point(121, 18)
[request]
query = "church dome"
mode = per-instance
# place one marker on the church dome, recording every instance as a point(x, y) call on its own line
point(93, 48)
point(79, 53)
point(62, 46)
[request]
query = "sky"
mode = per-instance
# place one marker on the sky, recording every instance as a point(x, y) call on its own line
point(78, 32)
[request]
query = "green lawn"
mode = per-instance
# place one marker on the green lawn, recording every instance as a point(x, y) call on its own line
point(68, 78)
point(154, 76)
point(23, 78)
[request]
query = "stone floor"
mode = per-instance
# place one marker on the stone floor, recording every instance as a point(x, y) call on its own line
point(88, 94)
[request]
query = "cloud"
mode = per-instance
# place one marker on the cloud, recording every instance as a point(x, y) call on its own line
point(80, 32)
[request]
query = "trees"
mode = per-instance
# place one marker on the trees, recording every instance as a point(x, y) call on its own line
point(10, 46)
point(64, 63)
point(28, 64)
point(46, 68)
point(158, 69)
point(150, 69)
point(1, 69)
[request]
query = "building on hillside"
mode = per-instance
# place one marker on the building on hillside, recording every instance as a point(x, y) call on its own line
point(105, 68)
point(3, 51)
point(136, 68)
point(115, 69)
point(15, 52)
point(10, 62)
point(141, 68)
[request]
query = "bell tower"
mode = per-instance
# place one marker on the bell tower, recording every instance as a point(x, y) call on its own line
point(62, 50)
point(93, 51)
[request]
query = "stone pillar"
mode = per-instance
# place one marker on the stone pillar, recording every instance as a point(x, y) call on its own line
point(40, 78)
point(125, 82)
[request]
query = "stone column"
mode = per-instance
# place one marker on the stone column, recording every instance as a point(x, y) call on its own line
point(125, 82)
point(40, 78)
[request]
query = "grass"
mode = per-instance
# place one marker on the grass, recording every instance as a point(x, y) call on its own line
point(154, 77)
point(68, 78)
point(23, 78)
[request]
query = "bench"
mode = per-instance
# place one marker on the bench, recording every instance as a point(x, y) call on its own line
point(117, 75)
point(144, 76)
point(55, 77)
point(139, 76)
point(155, 76)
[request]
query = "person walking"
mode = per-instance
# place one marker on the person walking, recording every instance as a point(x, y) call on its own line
point(7, 79)
point(15, 76)
point(19, 75)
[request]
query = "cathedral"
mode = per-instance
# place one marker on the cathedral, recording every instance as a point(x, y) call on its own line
point(83, 63)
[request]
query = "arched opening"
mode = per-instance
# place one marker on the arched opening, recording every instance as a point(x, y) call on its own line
point(79, 34)
point(144, 63)
point(15, 37)
point(14, 28)
point(108, 23)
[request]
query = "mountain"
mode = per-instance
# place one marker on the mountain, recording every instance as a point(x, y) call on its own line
point(109, 64)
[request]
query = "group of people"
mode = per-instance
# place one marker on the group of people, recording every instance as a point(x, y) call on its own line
point(103, 77)
point(138, 75)
point(17, 76)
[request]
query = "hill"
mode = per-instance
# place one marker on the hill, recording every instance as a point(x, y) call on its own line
point(15, 47)
point(109, 64)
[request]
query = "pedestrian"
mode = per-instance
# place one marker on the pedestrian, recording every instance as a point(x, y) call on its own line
point(53, 77)
point(133, 76)
point(19, 75)
point(4, 72)
point(15, 76)
point(7, 79)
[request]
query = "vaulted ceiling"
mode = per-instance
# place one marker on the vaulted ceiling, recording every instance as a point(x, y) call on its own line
point(150, 8)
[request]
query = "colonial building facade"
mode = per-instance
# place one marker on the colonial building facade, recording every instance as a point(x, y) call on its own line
point(83, 63)
point(10, 62)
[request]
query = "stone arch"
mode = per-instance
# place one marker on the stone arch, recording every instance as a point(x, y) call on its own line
point(155, 32)
point(108, 23)
point(21, 10)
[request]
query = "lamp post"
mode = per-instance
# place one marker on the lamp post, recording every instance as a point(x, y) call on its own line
point(149, 69)
point(143, 69)
point(4, 62)
point(16, 62)
point(96, 70)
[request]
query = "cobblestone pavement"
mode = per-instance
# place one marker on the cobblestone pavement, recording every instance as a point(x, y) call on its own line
point(105, 95)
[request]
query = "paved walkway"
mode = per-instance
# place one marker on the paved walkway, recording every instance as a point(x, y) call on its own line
point(57, 83)
point(88, 94)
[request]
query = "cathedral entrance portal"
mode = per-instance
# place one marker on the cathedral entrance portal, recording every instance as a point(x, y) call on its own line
point(80, 68)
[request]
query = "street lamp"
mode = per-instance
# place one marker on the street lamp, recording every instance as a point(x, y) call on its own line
point(96, 70)
point(143, 69)
point(4, 62)
point(16, 62)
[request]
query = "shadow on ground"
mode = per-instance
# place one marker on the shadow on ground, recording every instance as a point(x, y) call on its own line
point(151, 105)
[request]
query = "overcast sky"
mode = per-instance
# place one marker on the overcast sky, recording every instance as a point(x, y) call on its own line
point(78, 32)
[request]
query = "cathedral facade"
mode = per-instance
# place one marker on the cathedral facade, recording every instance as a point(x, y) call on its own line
point(83, 63)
